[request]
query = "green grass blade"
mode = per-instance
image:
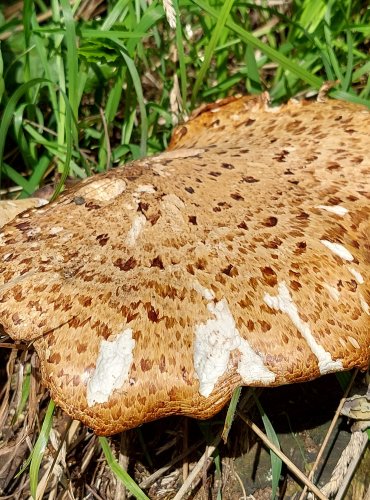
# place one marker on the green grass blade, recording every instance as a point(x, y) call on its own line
point(346, 83)
point(2, 83)
point(181, 55)
point(272, 53)
point(27, 15)
point(114, 97)
point(252, 69)
point(344, 378)
point(365, 93)
point(4, 127)
point(111, 108)
point(312, 14)
point(25, 392)
point(118, 10)
point(17, 178)
point(112, 35)
point(216, 33)
point(26, 18)
point(140, 97)
point(346, 96)
point(70, 123)
point(49, 74)
point(60, 76)
point(72, 56)
point(24, 146)
point(38, 174)
point(120, 473)
point(40, 139)
point(361, 28)
point(361, 71)
point(139, 94)
point(329, 44)
point(152, 15)
point(223, 86)
point(39, 448)
point(276, 463)
point(9, 113)
point(41, 164)
point(231, 413)
point(76, 6)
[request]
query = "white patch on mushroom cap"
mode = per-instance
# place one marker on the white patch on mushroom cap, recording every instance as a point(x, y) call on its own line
point(272, 109)
point(41, 202)
point(176, 154)
point(56, 230)
point(342, 343)
point(136, 195)
point(284, 302)
point(145, 188)
point(103, 189)
point(34, 231)
point(204, 292)
point(338, 249)
point(333, 291)
point(112, 367)
point(251, 367)
point(357, 275)
point(172, 201)
point(354, 342)
point(137, 226)
point(171, 208)
point(160, 170)
point(364, 305)
point(335, 209)
point(214, 342)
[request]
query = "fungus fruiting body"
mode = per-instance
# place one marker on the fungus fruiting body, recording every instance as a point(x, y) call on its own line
point(10, 208)
point(238, 256)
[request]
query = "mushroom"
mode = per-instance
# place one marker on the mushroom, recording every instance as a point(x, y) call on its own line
point(240, 256)
point(10, 208)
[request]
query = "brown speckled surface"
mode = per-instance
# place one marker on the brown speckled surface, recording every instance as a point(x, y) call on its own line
point(232, 205)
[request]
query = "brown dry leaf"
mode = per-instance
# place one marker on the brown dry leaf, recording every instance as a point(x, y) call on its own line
point(239, 256)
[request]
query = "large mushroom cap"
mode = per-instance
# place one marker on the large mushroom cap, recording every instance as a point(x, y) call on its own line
point(239, 256)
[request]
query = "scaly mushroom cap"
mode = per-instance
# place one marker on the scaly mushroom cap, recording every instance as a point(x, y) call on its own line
point(239, 256)
point(10, 208)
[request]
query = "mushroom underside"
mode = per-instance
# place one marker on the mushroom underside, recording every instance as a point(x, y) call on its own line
point(240, 256)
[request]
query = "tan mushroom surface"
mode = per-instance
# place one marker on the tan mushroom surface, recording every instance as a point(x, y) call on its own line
point(240, 256)
point(10, 208)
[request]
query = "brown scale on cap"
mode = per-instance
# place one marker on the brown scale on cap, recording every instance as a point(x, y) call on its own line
point(239, 256)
